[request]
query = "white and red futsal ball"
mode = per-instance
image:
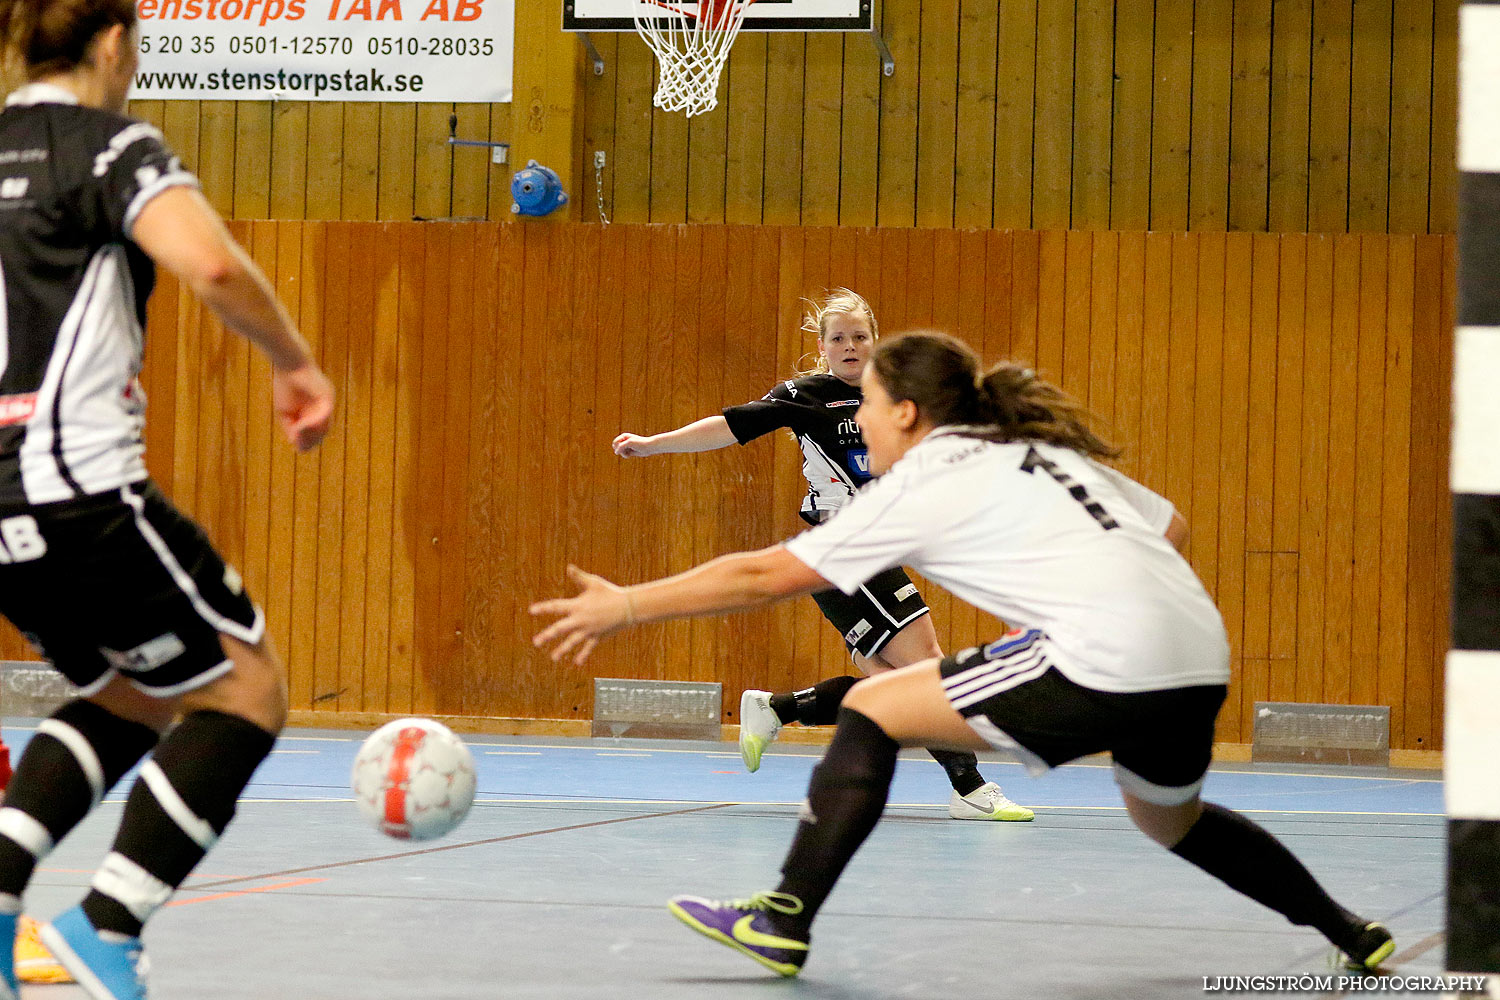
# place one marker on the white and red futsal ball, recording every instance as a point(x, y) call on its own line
point(414, 779)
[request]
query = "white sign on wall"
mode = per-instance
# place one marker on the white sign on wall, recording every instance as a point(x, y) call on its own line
point(326, 50)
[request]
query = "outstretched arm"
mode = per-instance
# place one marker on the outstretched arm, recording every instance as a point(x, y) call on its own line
point(729, 583)
point(707, 434)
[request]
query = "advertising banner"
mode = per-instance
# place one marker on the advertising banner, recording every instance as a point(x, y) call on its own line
point(326, 50)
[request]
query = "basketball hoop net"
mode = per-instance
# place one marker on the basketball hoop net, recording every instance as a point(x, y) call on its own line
point(691, 48)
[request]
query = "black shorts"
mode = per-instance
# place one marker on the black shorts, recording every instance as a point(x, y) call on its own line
point(122, 583)
point(1013, 697)
point(884, 605)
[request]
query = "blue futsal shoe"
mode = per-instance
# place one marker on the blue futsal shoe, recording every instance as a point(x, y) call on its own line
point(10, 989)
point(748, 926)
point(107, 970)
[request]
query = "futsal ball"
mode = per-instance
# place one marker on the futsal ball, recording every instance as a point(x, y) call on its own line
point(413, 779)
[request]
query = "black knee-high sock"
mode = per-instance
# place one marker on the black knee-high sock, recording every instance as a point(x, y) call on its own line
point(1247, 858)
point(962, 767)
point(75, 757)
point(844, 803)
point(814, 706)
point(180, 804)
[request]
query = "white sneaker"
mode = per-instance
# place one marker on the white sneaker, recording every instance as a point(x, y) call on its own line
point(758, 727)
point(987, 802)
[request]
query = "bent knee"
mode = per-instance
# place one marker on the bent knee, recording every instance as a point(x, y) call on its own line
point(254, 689)
point(860, 697)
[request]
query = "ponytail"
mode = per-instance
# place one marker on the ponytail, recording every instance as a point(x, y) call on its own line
point(942, 376)
point(54, 36)
point(1012, 404)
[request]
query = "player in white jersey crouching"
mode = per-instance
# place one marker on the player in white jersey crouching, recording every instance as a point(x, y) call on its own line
point(884, 621)
point(990, 488)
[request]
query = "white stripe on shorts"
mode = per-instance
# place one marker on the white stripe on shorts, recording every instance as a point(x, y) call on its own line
point(987, 673)
point(1012, 678)
point(249, 636)
point(1001, 740)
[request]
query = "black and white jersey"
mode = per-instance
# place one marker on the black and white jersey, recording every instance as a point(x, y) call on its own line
point(819, 410)
point(72, 181)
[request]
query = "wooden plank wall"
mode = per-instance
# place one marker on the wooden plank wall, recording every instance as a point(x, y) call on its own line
point(1288, 393)
point(330, 161)
point(1100, 114)
point(1104, 114)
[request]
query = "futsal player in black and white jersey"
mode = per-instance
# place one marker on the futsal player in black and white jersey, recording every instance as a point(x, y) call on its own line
point(884, 622)
point(123, 594)
point(991, 488)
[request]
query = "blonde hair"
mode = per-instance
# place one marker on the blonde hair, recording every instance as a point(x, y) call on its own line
point(837, 302)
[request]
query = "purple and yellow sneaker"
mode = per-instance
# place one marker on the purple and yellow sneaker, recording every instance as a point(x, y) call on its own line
point(748, 926)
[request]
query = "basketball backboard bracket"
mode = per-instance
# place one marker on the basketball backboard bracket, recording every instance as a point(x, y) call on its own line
point(887, 64)
point(592, 53)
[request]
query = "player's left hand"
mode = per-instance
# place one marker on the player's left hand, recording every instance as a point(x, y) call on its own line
point(600, 609)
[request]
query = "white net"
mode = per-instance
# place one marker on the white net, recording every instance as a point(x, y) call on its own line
point(691, 47)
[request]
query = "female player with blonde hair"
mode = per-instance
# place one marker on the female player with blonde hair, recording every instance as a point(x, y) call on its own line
point(884, 622)
point(991, 487)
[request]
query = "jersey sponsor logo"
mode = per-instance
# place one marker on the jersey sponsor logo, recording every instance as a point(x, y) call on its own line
point(842, 402)
point(791, 388)
point(970, 452)
point(859, 462)
point(17, 409)
point(21, 540)
point(148, 655)
point(857, 632)
point(848, 426)
point(907, 591)
point(14, 187)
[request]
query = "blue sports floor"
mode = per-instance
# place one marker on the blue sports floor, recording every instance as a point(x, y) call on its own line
point(554, 886)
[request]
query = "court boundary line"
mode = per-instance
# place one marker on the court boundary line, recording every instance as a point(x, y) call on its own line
point(456, 847)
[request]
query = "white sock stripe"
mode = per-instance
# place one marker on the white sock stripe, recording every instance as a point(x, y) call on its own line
point(1005, 684)
point(172, 804)
point(26, 830)
point(132, 886)
point(83, 751)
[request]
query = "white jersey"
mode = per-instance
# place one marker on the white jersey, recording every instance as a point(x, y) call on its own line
point(1040, 537)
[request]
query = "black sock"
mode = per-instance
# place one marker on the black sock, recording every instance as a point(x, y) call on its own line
point(180, 804)
point(962, 767)
point(1248, 859)
point(814, 706)
point(844, 802)
point(75, 757)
